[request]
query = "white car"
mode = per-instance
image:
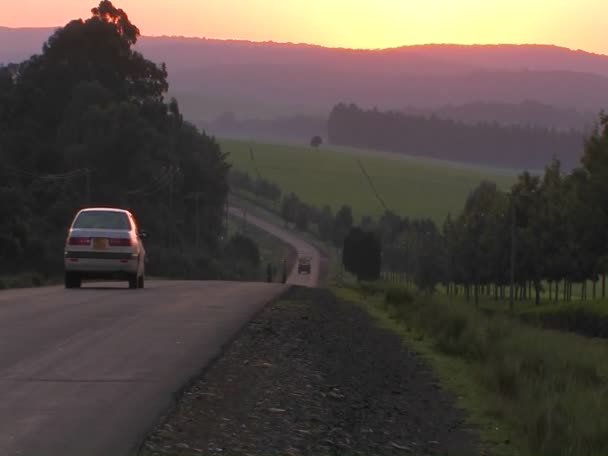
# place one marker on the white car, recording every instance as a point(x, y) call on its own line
point(104, 243)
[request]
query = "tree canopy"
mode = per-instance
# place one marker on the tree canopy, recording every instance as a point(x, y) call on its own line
point(430, 136)
point(86, 122)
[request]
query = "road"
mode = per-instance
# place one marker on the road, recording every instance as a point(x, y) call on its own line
point(90, 371)
point(302, 247)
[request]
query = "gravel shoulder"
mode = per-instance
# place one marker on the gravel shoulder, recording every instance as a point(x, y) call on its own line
point(312, 374)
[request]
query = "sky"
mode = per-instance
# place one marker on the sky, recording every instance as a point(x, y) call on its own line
point(577, 24)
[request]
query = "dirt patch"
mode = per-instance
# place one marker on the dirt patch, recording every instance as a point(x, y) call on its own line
point(313, 375)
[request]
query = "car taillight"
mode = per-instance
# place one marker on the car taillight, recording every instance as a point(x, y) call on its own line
point(80, 241)
point(120, 242)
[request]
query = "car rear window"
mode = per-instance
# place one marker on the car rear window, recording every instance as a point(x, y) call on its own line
point(108, 220)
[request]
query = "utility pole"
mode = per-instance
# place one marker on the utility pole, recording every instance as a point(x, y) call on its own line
point(226, 206)
point(511, 295)
point(197, 239)
point(88, 185)
point(449, 274)
point(170, 224)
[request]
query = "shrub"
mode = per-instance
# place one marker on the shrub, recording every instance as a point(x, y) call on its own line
point(550, 386)
point(398, 295)
point(241, 247)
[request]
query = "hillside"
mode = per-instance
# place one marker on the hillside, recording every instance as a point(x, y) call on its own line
point(409, 186)
point(269, 79)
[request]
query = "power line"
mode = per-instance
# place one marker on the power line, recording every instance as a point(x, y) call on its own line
point(371, 184)
point(163, 181)
point(61, 176)
point(255, 165)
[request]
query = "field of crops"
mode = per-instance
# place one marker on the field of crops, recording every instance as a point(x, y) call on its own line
point(333, 175)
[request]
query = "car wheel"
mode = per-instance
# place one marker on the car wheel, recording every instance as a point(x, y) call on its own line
point(133, 281)
point(140, 281)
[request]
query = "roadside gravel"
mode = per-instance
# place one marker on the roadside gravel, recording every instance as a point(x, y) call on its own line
point(312, 375)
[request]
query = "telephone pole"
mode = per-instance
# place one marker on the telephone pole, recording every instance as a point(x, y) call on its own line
point(197, 224)
point(226, 206)
point(511, 294)
point(170, 224)
point(88, 185)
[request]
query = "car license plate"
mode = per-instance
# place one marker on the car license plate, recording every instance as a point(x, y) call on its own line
point(100, 243)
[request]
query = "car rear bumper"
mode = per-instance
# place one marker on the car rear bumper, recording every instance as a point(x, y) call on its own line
point(101, 264)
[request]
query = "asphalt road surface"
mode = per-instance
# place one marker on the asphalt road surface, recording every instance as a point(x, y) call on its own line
point(89, 371)
point(302, 248)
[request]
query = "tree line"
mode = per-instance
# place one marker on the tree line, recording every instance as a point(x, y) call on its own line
point(546, 233)
point(86, 122)
point(328, 226)
point(514, 146)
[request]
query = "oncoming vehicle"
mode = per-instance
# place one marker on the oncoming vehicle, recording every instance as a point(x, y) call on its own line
point(104, 243)
point(304, 265)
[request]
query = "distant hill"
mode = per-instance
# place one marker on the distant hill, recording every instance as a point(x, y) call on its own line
point(266, 80)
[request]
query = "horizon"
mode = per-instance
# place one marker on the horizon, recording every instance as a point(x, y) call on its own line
point(304, 43)
point(348, 25)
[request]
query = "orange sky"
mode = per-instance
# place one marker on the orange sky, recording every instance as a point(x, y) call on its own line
point(576, 24)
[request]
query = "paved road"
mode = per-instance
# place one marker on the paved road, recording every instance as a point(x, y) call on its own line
point(87, 372)
point(302, 247)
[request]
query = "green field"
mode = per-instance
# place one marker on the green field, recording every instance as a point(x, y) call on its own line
point(409, 186)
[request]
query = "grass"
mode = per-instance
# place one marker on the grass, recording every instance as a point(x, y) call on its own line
point(409, 186)
point(543, 392)
point(25, 280)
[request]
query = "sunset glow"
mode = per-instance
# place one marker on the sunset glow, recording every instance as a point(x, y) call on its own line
point(348, 23)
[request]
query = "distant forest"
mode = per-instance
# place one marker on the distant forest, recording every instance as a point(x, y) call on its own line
point(429, 136)
point(528, 112)
point(297, 128)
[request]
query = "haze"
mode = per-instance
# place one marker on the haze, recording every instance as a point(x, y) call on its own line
point(349, 23)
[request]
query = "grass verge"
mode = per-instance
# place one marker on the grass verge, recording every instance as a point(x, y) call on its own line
point(26, 280)
point(529, 391)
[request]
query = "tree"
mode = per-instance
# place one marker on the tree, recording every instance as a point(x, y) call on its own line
point(241, 247)
point(361, 254)
point(326, 223)
point(342, 224)
point(89, 113)
point(316, 141)
point(290, 208)
point(436, 137)
point(301, 217)
point(107, 12)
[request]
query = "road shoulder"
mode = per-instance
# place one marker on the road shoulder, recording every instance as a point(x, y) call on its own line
point(312, 374)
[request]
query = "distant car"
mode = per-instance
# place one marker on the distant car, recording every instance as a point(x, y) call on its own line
point(304, 265)
point(104, 243)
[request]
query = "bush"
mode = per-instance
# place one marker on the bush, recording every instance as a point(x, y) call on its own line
point(398, 295)
point(587, 319)
point(26, 280)
point(550, 386)
point(171, 263)
point(240, 247)
point(361, 254)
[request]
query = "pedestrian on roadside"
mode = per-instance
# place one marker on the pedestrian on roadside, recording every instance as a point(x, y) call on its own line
point(269, 272)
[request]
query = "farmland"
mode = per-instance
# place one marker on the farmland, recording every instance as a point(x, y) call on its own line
point(409, 186)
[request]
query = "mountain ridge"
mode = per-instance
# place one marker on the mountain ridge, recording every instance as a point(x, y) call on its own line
point(49, 30)
point(260, 79)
